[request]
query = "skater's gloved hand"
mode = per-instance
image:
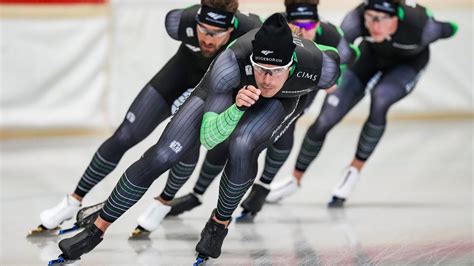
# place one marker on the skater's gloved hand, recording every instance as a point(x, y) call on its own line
point(246, 97)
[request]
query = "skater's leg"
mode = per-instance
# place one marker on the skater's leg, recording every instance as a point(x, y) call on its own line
point(179, 137)
point(151, 107)
point(146, 112)
point(213, 165)
point(335, 107)
point(160, 207)
point(277, 154)
point(179, 174)
point(394, 85)
point(252, 135)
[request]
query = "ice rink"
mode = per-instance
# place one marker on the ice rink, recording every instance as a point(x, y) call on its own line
point(413, 206)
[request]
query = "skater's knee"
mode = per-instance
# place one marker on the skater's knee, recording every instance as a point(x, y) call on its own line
point(124, 137)
point(318, 130)
point(242, 145)
point(380, 105)
point(379, 109)
point(157, 158)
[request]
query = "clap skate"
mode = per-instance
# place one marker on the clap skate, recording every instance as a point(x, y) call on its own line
point(84, 217)
point(253, 204)
point(150, 220)
point(184, 203)
point(73, 248)
point(345, 188)
point(52, 218)
point(212, 238)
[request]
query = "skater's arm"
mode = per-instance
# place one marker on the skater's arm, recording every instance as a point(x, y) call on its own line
point(172, 23)
point(216, 128)
point(330, 70)
point(435, 30)
point(348, 54)
point(221, 115)
point(352, 25)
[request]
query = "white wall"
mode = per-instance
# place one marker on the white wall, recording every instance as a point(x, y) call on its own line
point(53, 72)
point(446, 87)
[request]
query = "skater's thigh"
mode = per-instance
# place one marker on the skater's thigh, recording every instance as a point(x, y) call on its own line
point(181, 134)
point(147, 111)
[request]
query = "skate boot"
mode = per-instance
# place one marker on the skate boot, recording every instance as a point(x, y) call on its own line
point(82, 243)
point(84, 217)
point(344, 189)
point(53, 217)
point(184, 203)
point(212, 238)
point(283, 189)
point(253, 203)
point(149, 220)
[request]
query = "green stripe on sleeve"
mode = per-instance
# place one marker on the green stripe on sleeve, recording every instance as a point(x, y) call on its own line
point(429, 13)
point(325, 48)
point(356, 51)
point(216, 128)
point(343, 68)
point(339, 30)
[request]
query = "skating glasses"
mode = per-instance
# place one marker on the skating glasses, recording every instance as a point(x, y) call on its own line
point(272, 71)
point(380, 19)
point(305, 25)
point(211, 33)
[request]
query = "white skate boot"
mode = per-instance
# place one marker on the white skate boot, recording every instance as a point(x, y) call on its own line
point(283, 189)
point(149, 220)
point(344, 189)
point(53, 217)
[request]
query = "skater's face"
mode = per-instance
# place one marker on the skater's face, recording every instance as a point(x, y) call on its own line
point(380, 25)
point(270, 78)
point(305, 28)
point(211, 38)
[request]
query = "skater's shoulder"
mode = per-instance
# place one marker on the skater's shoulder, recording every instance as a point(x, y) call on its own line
point(244, 22)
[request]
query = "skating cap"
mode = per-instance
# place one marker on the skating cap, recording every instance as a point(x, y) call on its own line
point(215, 17)
point(385, 6)
point(273, 43)
point(302, 11)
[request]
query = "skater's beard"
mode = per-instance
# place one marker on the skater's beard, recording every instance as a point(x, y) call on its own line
point(208, 49)
point(210, 45)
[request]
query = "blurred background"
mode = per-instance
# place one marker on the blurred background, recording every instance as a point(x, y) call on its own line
point(70, 66)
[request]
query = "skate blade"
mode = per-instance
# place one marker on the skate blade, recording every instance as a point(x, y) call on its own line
point(69, 230)
point(61, 261)
point(139, 234)
point(200, 260)
point(245, 217)
point(42, 231)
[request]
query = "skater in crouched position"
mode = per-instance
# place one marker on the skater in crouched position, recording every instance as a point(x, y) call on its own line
point(204, 31)
point(303, 18)
point(394, 42)
point(250, 95)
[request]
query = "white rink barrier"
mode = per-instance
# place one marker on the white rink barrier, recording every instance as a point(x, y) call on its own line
point(84, 72)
